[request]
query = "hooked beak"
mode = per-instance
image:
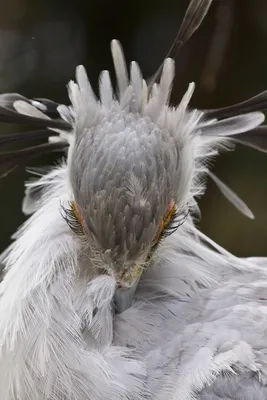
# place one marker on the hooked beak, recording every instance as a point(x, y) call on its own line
point(127, 282)
point(123, 296)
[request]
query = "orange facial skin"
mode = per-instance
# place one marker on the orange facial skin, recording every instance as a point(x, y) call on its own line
point(77, 213)
point(166, 219)
point(76, 210)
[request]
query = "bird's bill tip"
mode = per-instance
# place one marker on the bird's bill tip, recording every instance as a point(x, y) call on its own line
point(123, 297)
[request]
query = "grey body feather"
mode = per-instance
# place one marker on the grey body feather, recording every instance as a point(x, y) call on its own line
point(195, 326)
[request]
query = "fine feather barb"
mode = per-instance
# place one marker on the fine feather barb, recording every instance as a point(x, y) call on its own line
point(35, 189)
point(193, 18)
point(31, 199)
point(231, 196)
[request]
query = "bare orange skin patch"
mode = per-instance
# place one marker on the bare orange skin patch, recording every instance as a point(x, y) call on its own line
point(76, 211)
point(166, 219)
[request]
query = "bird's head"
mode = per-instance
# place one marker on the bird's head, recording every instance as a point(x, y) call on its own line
point(124, 172)
point(125, 168)
point(135, 165)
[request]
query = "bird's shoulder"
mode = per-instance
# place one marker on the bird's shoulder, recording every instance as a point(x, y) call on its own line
point(214, 342)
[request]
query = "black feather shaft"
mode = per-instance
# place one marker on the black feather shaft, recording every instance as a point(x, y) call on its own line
point(256, 103)
point(6, 139)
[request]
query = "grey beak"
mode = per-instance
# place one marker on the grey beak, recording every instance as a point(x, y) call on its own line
point(123, 297)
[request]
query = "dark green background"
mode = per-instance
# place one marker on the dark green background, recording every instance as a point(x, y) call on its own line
point(41, 42)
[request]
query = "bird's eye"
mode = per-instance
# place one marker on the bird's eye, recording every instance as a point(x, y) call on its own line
point(176, 220)
point(73, 218)
point(170, 222)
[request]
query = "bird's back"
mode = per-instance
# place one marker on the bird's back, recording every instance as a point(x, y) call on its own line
point(202, 339)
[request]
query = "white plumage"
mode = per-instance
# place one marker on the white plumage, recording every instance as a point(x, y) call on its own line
point(196, 326)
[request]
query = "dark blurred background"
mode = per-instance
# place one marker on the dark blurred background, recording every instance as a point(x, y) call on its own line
point(41, 42)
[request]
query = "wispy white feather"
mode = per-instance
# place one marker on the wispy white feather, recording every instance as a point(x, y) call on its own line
point(160, 98)
point(85, 86)
point(232, 197)
point(65, 113)
point(166, 80)
point(234, 125)
point(40, 322)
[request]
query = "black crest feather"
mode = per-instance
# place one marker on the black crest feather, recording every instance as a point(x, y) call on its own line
point(10, 159)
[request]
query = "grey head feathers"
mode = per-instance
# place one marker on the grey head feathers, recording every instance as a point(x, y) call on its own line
point(132, 154)
point(130, 145)
point(123, 164)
